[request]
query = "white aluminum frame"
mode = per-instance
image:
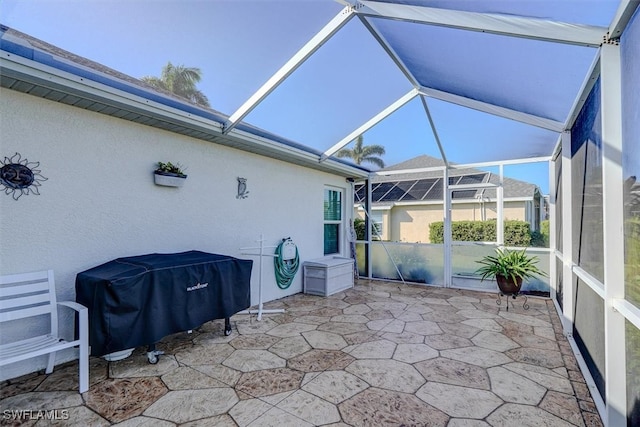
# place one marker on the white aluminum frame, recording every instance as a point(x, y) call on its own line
point(515, 26)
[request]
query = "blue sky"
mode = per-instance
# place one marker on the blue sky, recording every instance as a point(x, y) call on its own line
point(239, 44)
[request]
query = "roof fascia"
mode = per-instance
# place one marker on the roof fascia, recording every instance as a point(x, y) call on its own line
point(507, 25)
point(43, 75)
point(403, 171)
point(370, 123)
point(495, 110)
point(290, 66)
point(623, 15)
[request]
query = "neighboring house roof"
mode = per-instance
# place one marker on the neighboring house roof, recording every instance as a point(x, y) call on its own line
point(427, 185)
point(33, 66)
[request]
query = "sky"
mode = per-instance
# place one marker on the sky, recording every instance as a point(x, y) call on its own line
point(239, 44)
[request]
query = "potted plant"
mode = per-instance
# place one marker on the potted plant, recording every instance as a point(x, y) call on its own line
point(168, 174)
point(509, 268)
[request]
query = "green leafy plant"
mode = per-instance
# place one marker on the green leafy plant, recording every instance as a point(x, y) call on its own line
point(515, 265)
point(169, 168)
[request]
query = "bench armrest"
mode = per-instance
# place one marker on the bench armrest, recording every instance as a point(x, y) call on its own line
point(73, 305)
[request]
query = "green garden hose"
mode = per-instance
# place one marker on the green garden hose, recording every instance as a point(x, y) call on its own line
point(286, 267)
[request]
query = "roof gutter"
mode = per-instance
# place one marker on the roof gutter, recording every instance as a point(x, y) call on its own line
point(32, 71)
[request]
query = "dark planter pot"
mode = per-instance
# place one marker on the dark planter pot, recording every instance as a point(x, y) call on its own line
point(507, 285)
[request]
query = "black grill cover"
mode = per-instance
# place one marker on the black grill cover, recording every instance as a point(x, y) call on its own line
point(139, 300)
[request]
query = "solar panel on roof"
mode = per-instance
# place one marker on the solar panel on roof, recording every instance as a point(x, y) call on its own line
point(394, 194)
point(435, 193)
point(418, 189)
point(463, 194)
point(472, 179)
point(382, 189)
point(360, 193)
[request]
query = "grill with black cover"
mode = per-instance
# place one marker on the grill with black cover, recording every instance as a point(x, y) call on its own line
point(138, 300)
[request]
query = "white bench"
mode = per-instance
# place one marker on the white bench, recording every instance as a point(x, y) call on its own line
point(34, 294)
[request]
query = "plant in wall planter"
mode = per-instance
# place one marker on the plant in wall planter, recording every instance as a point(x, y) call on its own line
point(169, 175)
point(509, 268)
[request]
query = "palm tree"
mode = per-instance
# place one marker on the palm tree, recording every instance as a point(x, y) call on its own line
point(181, 81)
point(361, 153)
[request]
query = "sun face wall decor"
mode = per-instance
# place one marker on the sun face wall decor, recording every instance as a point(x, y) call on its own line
point(19, 176)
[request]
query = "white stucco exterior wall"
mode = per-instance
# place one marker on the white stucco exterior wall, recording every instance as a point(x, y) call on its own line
point(99, 201)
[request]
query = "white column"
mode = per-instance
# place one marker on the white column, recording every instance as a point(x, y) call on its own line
point(552, 228)
point(367, 223)
point(500, 208)
point(568, 289)
point(446, 211)
point(613, 222)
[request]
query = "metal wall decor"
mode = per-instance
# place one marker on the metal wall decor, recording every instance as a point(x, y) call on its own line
point(19, 176)
point(242, 188)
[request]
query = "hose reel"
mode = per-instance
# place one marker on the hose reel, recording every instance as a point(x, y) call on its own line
point(286, 262)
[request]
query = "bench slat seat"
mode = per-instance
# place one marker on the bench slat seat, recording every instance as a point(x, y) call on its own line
point(33, 294)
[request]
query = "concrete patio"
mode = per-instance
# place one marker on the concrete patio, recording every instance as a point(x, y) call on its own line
point(378, 354)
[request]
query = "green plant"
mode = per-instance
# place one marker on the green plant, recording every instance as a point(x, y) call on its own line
point(169, 168)
point(516, 233)
point(514, 265)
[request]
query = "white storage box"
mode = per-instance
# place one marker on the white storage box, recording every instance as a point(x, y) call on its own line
point(326, 276)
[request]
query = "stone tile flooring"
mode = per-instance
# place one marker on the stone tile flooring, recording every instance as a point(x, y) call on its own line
point(381, 354)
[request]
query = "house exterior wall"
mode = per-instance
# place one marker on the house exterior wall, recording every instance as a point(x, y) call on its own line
point(410, 223)
point(99, 201)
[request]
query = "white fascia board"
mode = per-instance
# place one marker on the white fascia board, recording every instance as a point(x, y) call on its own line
point(495, 110)
point(370, 123)
point(290, 66)
point(472, 186)
point(623, 15)
point(274, 147)
point(403, 171)
point(64, 81)
point(507, 25)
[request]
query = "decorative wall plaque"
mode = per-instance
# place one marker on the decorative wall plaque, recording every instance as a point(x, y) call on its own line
point(19, 176)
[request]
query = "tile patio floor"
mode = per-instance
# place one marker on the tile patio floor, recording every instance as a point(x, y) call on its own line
point(380, 354)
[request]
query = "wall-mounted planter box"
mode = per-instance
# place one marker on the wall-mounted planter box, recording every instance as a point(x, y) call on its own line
point(169, 180)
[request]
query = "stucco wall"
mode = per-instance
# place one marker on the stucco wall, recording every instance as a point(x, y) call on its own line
point(99, 201)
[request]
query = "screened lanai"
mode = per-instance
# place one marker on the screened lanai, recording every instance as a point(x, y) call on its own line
point(541, 90)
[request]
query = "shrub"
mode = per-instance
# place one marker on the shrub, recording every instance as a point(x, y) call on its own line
point(516, 233)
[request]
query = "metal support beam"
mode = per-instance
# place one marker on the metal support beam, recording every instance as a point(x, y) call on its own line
point(506, 25)
point(292, 64)
point(500, 206)
point(507, 113)
point(434, 130)
point(553, 246)
point(448, 241)
point(623, 15)
point(370, 123)
point(568, 288)
point(613, 222)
